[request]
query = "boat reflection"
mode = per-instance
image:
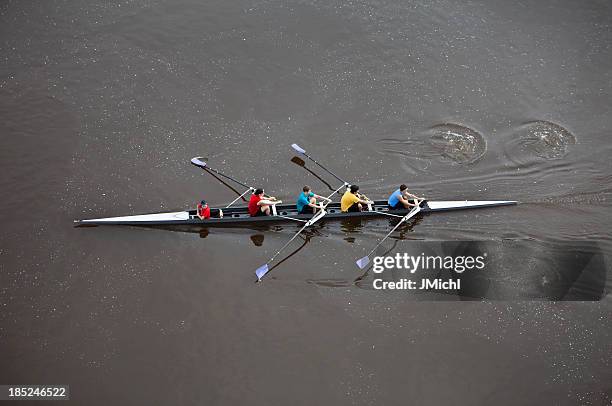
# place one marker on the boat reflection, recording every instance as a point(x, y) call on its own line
point(306, 236)
point(355, 225)
point(300, 162)
point(351, 225)
point(514, 270)
point(257, 239)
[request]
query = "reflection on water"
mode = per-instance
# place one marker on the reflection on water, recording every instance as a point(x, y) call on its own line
point(514, 270)
point(330, 283)
point(305, 237)
point(351, 225)
point(300, 162)
point(257, 239)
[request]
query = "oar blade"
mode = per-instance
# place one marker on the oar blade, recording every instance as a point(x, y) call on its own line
point(261, 271)
point(298, 149)
point(197, 161)
point(363, 262)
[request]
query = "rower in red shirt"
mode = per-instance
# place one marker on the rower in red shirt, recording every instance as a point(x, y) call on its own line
point(259, 205)
point(204, 212)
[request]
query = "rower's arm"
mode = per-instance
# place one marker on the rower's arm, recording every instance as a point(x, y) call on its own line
point(417, 201)
point(404, 200)
point(268, 202)
point(322, 197)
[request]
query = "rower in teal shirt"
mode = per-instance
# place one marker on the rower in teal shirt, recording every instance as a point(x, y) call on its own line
point(307, 201)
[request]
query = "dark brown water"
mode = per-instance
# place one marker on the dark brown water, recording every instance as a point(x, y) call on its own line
point(102, 106)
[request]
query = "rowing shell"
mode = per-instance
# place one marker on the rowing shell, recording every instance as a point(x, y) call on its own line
point(236, 216)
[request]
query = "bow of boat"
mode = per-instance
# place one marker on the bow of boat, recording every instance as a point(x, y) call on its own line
point(154, 218)
point(442, 205)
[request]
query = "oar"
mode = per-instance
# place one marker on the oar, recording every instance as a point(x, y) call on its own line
point(363, 275)
point(300, 162)
point(197, 161)
point(224, 183)
point(301, 150)
point(264, 269)
point(240, 197)
point(298, 249)
point(363, 262)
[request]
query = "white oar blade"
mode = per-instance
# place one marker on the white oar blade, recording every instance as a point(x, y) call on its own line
point(298, 149)
point(197, 161)
point(362, 262)
point(261, 271)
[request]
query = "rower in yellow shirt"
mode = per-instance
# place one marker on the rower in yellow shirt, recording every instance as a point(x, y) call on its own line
point(352, 201)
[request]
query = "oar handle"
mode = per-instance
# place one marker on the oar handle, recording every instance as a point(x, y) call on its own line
point(336, 191)
point(365, 197)
point(240, 197)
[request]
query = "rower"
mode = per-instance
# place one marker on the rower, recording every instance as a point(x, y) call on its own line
point(259, 204)
point(352, 201)
point(399, 199)
point(204, 212)
point(307, 201)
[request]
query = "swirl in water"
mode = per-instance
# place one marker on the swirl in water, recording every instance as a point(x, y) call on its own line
point(456, 143)
point(539, 139)
point(444, 143)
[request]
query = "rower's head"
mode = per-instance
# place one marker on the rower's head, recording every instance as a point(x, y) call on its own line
point(203, 203)
point(354, 189)
point(258, 191)
point(403, 188)
point(306, 189)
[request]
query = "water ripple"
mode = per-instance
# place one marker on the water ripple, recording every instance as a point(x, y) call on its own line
point(537, 140)
point(447, 143)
